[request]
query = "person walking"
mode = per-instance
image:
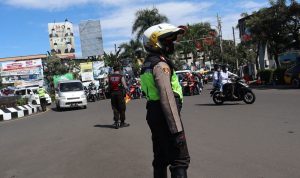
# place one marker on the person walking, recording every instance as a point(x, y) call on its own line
point(117, 87)
point(164, 101)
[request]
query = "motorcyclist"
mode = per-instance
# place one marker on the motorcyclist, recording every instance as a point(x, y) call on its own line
point(216, 76)
point(164, 101)
point(225, 79)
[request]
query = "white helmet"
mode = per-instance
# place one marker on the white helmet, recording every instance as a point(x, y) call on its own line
point(160, 38)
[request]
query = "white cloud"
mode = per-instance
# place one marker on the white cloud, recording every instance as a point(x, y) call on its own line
point(61, 4)
point(252, 5)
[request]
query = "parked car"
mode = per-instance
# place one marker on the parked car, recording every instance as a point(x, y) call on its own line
point(69, 94)
point(292, 76)
point(28, 93)
point(47, 96)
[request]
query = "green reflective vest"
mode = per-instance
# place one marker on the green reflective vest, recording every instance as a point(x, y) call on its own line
point(41, 92)
point(149, 87)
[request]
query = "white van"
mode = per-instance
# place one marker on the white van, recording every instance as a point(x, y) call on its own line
point(28, 93)
point(47, 96)
point(69, 94)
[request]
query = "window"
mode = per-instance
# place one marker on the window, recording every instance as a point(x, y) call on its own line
point(21, 92)
point(75, 86)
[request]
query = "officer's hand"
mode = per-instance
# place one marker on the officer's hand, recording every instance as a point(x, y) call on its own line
point(179, 139)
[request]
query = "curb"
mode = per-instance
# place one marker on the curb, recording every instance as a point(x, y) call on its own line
point(18, 112)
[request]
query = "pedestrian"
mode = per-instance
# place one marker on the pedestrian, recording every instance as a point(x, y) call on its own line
point(118, 88)
point(164, 101)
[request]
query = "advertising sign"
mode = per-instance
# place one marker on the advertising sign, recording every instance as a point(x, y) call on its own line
point(57, 78)
point(61, 38)
point(99, 69)
point(86, 71)
point(91, 38)
point(22, 73)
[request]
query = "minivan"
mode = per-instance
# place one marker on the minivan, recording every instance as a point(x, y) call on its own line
point(70, 94)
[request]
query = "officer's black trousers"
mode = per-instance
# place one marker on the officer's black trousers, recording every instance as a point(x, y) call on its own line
point(169, 149)
point(118, 105)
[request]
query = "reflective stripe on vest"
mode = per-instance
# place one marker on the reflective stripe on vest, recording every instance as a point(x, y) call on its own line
point(149, 87)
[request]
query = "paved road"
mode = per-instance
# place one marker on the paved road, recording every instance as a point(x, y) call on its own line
point(230, 141)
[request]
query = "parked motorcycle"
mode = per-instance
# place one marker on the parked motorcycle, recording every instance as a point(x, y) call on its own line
point(241, 91)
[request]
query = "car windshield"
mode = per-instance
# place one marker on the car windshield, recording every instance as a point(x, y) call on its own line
point(74, 86)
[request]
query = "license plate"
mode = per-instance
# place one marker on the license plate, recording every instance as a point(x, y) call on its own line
point(74, 104)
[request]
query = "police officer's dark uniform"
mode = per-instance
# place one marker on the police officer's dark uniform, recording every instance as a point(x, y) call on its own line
point(117, 85)
point(164, 95)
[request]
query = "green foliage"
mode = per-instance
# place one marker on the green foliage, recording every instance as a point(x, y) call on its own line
point(111, 59)
point(22, 101)
point(266, 75)
point(146, 18)
point(195, 34)
point(278, 75)
point(278, 26)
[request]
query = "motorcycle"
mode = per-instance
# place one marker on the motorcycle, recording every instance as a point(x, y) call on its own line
point(190, 88)
point(241, 91)
point(92, 94)
point(135, 91)
point(101, 92)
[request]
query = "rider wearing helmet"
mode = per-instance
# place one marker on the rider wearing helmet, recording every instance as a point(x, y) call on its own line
point(164, 94)
point(225, 79)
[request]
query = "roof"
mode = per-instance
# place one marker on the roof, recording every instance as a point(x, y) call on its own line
point(19, 58)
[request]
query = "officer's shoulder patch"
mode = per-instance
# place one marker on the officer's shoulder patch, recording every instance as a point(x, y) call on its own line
point(166, 70)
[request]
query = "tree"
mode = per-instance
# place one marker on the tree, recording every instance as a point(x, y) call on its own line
point(276, 26)
point(111, 59)
point(199, 38)
point(146, 18)
point(133, 51)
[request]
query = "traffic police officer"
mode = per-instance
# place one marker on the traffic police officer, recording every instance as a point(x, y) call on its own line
point(117, 85)
point(164, 94)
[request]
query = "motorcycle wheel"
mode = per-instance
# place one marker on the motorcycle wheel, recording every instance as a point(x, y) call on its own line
point(196, 91)
point(218, 100)
point(249, 97)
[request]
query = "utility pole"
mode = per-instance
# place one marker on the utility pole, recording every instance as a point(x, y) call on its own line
point(235, 52)
point(220, 36)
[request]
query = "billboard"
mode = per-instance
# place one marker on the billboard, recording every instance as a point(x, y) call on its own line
point(22, 73)
point(86, 71)
point(99, 69)
point(91, 38)
point(61, 38)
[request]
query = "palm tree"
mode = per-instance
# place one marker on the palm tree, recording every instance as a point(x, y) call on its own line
point(133, 50)
point(146, 18)
point(130, 49)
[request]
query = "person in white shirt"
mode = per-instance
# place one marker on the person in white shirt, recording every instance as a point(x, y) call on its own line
point(225, 79)
point(216, 76)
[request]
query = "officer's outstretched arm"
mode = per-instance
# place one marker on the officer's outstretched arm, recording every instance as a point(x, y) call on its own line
point(162, 75)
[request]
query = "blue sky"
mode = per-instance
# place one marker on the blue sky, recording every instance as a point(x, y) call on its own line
point(24, 23)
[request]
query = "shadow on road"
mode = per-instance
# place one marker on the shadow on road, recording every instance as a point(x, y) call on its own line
point(225, 104)
point(65, 109)
point(105, 126)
